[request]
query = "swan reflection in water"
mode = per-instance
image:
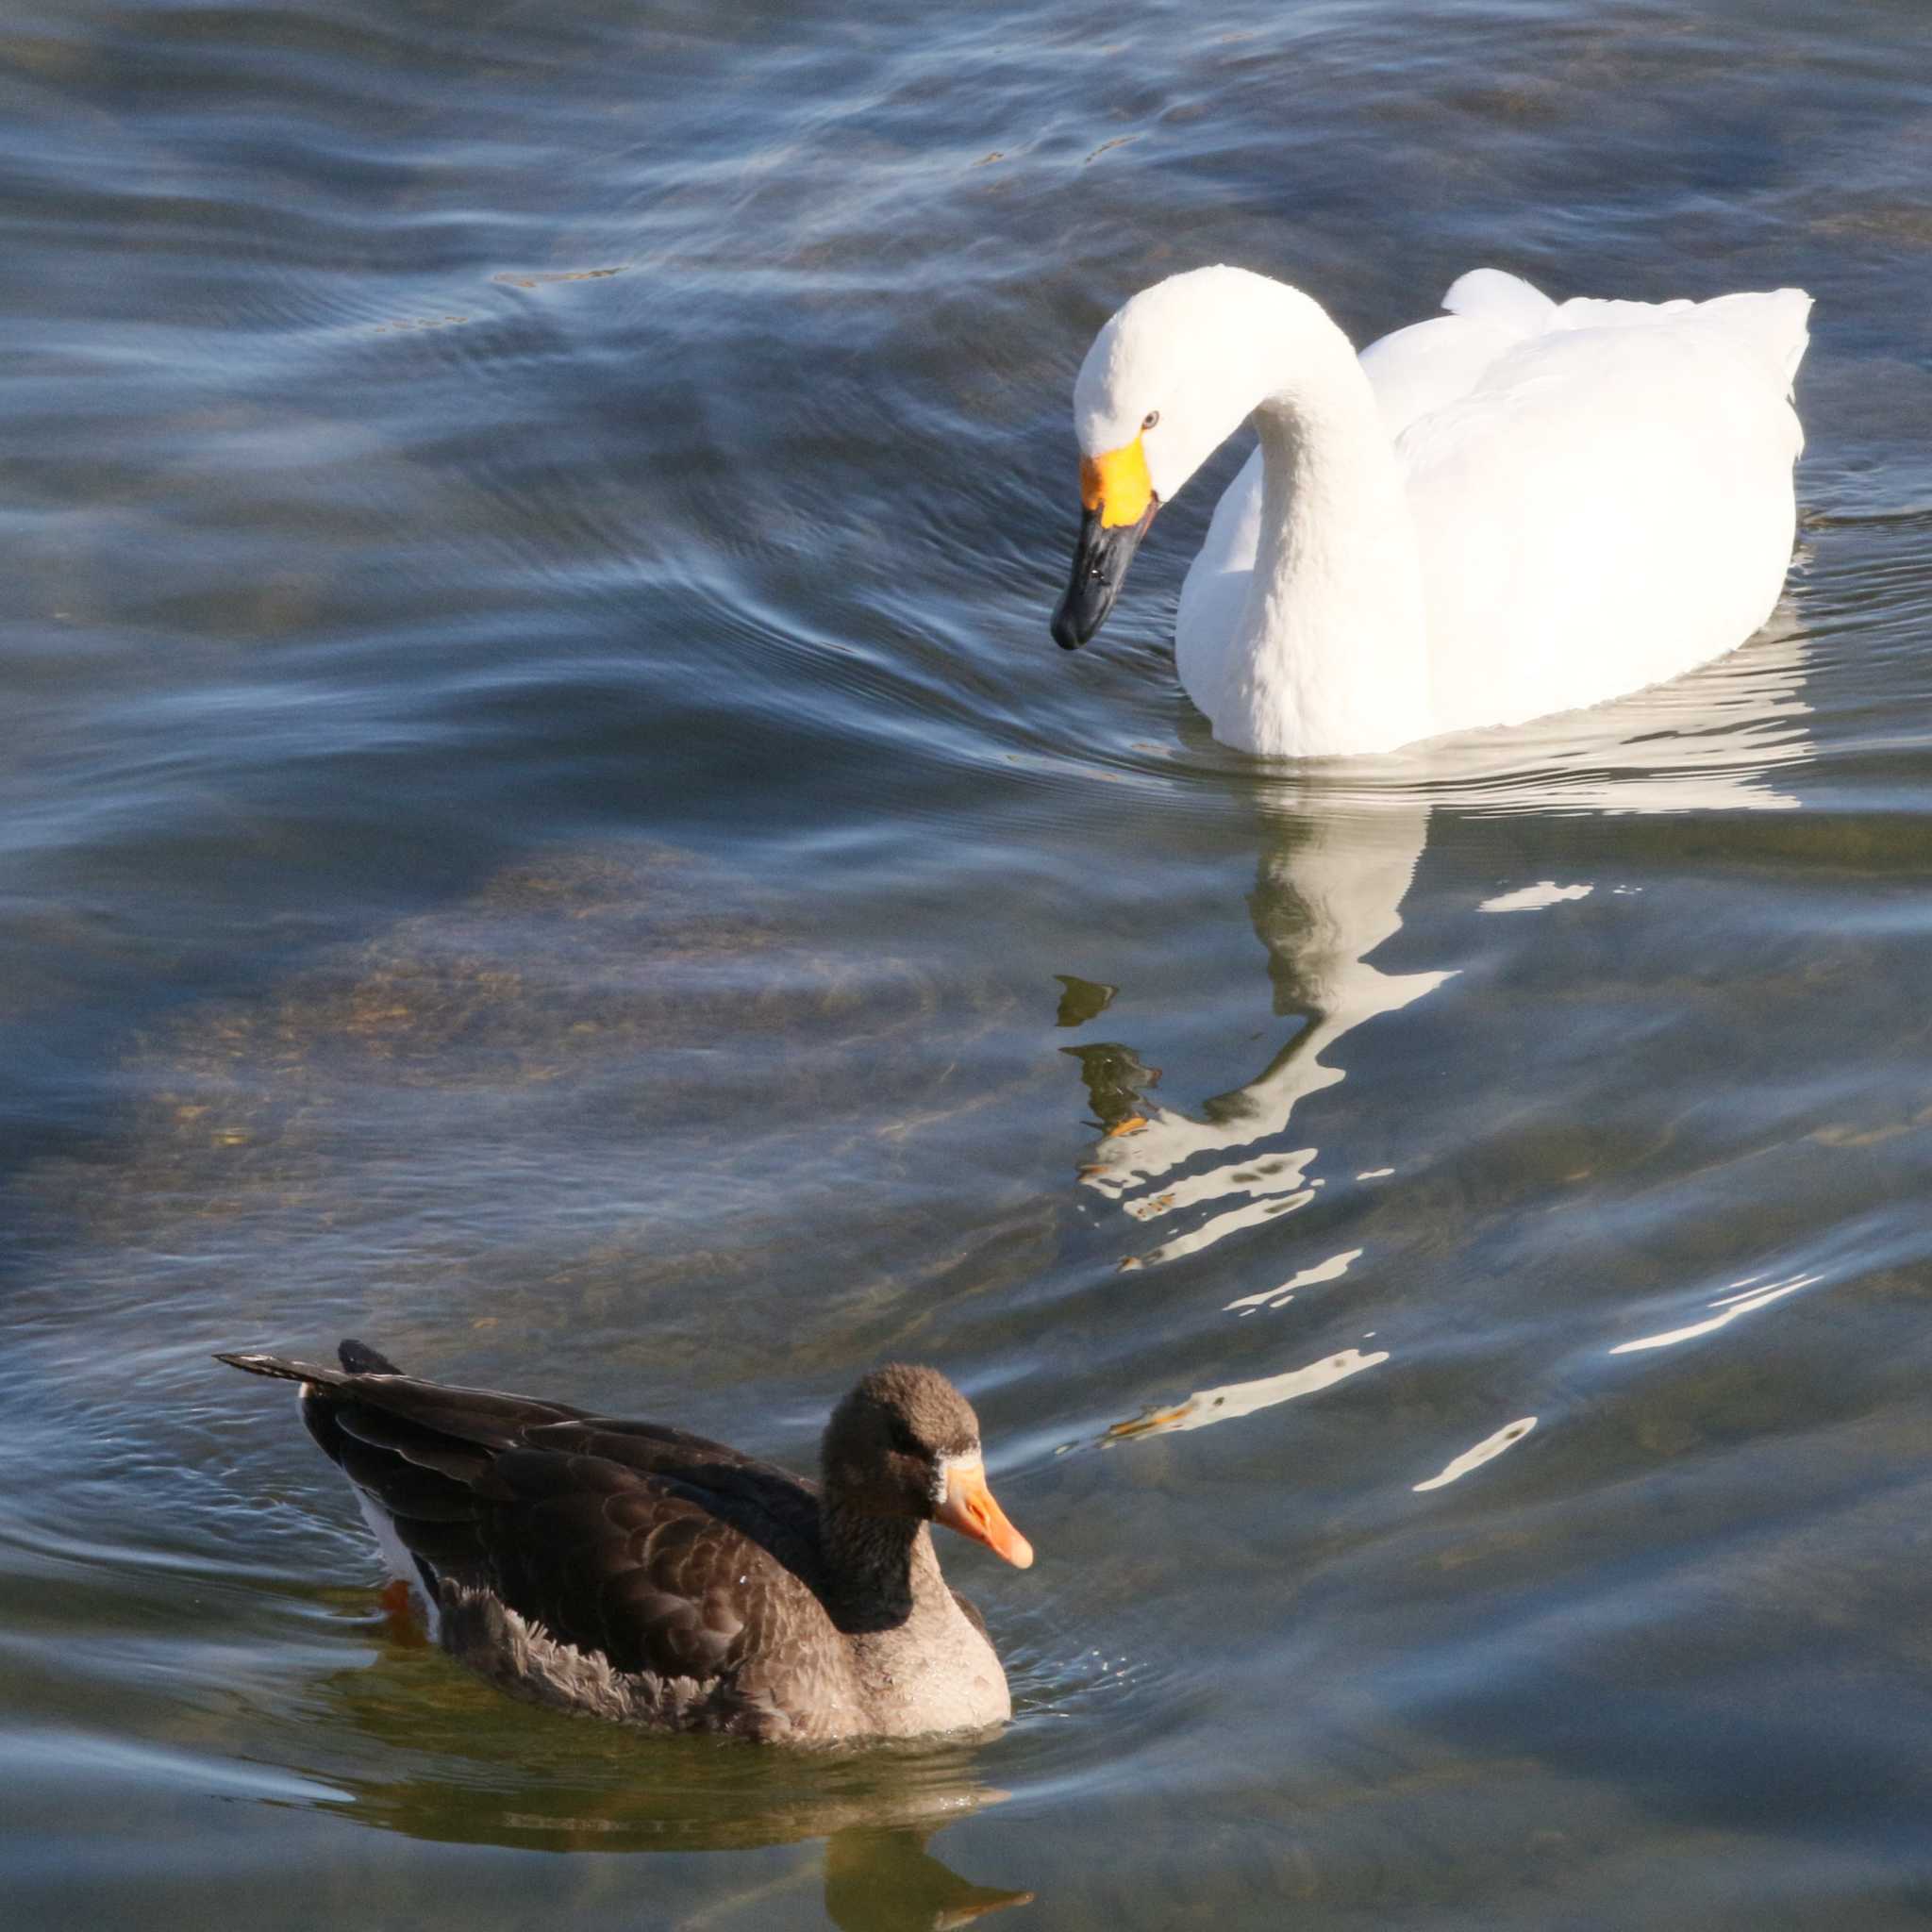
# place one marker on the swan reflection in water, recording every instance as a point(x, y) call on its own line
point(441, 1760)
point(1321, 905)
point(1341, 849)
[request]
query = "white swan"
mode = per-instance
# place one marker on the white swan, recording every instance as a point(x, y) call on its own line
point(1520, 507)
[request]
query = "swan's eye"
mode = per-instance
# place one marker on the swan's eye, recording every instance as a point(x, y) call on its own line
point(1153, 417)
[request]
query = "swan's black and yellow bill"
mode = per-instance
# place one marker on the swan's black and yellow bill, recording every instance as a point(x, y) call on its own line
point(1117, 503)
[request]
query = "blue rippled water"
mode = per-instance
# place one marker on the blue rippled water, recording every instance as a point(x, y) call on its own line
point(540, 822)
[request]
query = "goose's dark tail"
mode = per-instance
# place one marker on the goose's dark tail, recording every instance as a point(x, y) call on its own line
point(358, 1359)
point(361, 1359)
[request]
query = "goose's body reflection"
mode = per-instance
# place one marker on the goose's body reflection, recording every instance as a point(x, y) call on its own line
point(455, 1766)
point(1340, 850)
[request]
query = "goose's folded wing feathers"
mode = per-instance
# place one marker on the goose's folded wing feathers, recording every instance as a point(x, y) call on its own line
point(662, 1550)
point(613, 1562)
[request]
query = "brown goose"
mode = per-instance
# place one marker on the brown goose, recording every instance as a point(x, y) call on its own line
point(635, 1572)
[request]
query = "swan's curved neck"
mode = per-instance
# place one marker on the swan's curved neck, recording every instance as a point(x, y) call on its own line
point(1330, 651)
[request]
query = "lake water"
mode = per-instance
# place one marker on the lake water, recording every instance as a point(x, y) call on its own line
point(541, 826)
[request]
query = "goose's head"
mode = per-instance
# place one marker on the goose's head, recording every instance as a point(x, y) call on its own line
point(1167, 380)
point(906, 1443)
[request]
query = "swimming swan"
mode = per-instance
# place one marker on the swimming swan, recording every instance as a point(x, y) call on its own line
point(1517, 507)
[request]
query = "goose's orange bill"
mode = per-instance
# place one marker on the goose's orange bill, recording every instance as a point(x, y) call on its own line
point(970, 1508)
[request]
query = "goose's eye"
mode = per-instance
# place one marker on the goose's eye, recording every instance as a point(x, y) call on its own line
point(1153, 417)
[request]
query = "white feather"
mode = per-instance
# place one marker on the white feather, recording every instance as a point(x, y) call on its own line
point(398, 1560)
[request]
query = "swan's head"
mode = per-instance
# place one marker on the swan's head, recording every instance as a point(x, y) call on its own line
point(1167, 380)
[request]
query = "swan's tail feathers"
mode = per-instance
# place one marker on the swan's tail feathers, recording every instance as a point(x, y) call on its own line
point(1487, 294)
point(1768, 325)
point(1774, 323)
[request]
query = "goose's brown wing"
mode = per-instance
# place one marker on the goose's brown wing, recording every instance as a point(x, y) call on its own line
point(657, 1574)
point(662, 1550)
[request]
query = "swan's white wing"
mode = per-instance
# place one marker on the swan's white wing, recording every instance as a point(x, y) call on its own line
point(1432, 364)
point(1608, 504)
point(1602, 493)
point(1492, 295)
point(1412, 370)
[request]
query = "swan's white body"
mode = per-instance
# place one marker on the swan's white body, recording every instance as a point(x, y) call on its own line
point(1517, 507)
